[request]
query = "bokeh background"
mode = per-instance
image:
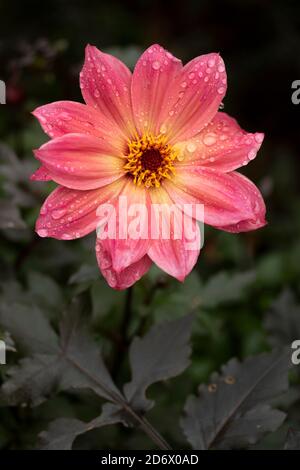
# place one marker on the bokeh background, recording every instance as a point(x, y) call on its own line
point(239, 281)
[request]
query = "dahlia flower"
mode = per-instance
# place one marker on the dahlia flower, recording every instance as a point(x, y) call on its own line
point(154, 136)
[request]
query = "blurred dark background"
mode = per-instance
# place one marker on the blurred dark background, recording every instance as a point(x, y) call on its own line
point(41, 53)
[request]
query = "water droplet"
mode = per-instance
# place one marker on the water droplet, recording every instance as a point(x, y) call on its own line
point(156, 65)
point(252, 154)
point(58, 213)
point(183, 84)
point(256, 207)
point(42, 233)
point(211, 62)
point(221, 68)
point(65, 116)
point(66, 236)
point(259, 138)
point(163, 129)
point(191, 147)
point(221, 90)
point(96, 93)
point(209, 139)
point(191, 75)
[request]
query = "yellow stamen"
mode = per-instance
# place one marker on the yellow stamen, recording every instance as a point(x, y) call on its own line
point(150, 159)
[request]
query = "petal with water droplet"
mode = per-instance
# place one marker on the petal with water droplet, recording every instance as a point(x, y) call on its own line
point(122, 279)
point(78, 161)
point(225, 196)
point(105, 85)
point(152, 78)
point(196, 101)
point(79, 206)
point(175, 237)
point(64, 117)
point(222, 145)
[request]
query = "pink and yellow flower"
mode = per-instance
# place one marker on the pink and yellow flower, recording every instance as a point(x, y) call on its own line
point(155, 136)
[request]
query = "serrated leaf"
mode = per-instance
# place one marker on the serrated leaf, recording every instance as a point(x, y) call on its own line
point(75, 363)
point(218, 290)
point(235, 409)
point(86, 273)
point(29, 327)
point(161, 354)
point(283, 319)
point(44, 290)
point(251, 427)
point(15, 175)
point(62, 432)
point(10, 217)
point(87, 365)
point(225, 287)
point(32, 380)
point(292, 440)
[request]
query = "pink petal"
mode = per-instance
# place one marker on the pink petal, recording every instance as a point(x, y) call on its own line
point(152, 79)
point(259, 209)
point(225, 196)
point(123, 279)
point(176, 256)
point(222, 145)
point(79, 161)
point(105, 84)
point(66, 117)
point(196, 96)
point(67, 214)
point(129, 243)
point(41, 174)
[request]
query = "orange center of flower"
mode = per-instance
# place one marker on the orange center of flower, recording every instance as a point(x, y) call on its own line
point(150, 159)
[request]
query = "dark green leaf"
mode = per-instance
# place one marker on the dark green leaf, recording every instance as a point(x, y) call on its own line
point(292, 440)
point(162, 353)
point(85, 273)
point(75, 363)
point(10, 216)
point(235, 409)
point(61, 433)
point(225, 287)
point(283, 319)
point(29, 327)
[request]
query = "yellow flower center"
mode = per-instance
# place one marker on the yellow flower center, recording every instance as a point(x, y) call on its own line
point(150, 159)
